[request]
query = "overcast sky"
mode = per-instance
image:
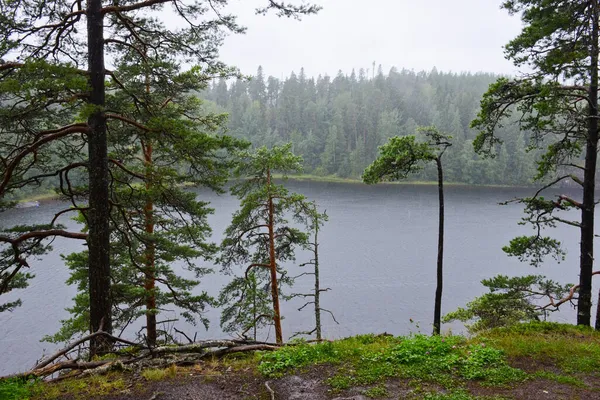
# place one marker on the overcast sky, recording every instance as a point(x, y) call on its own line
point(459, 35)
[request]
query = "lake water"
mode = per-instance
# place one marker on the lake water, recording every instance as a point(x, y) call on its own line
point(378, 256)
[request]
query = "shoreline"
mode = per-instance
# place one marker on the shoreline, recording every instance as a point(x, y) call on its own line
point(335, 179)
point(51, 196)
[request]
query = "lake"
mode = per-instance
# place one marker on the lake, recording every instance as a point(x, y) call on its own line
point(378, 256)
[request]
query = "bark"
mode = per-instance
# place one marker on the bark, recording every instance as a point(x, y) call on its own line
point(98, 213)
point(584, 304)
point(150, 257)
point(317, 282)
point(273, 267)
point(150, 281)
point(437, 313)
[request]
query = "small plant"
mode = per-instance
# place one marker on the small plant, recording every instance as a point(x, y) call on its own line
point(154, 374)
point(369, 359)
point(376, 391)
point(17, 389)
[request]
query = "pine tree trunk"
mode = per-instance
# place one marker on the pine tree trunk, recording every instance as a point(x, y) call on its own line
point(98, 214)
point(150, 278)
point(273, 267)
point(437, 313)
point(584, 304)
point(317, 282)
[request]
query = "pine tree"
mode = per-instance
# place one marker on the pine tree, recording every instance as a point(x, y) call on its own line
point(402, 156)
point(558, 43)
point(42, 39)
point(260, 237)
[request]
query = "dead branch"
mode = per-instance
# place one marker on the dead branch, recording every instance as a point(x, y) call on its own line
point(569, 297)
point(84, 339)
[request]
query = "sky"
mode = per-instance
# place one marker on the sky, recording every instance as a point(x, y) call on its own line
point(457, 36)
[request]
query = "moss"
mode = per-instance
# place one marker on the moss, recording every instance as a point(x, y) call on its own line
point(83, 388)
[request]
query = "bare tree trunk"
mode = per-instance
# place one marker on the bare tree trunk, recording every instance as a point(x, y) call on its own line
point(317, 282)
point(437, 313)
point(98, 214)
point(584, 304)
point(273, 267)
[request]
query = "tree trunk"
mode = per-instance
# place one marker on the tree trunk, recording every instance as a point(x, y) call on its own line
point(317, 282)
point(584, 304)
point(150, 256)
point(437, 313)
point(150, 281)
point(273, 267)
point(98, 214)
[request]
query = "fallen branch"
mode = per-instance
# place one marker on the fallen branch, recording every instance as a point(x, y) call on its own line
point(70, 347)
point(192, 353)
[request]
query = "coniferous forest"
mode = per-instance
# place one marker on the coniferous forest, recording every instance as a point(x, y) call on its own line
point(338, 123)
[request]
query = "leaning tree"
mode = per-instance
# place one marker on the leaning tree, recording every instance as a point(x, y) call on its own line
point(557, 101)
point(402, 156)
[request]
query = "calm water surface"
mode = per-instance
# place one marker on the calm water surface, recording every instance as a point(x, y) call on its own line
point(378, 256)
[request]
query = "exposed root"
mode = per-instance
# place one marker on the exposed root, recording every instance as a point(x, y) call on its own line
point(270, 390)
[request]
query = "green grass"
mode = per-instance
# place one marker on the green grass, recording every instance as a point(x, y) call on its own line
point(571, 348)
point(457, 395)
point(153, 374)
point(376, 392)
point(434, 367)
point(367, 360)
point(80, 389)
point(562, 379)
point(17, 389)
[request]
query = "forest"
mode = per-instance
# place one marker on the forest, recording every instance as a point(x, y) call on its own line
point(337, 124)
point(129, 118)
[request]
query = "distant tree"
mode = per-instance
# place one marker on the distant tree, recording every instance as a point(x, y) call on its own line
point(398, 158)
point(260, 237)
point(557, 100)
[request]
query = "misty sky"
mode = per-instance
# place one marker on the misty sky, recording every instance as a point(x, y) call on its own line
point(459, 35)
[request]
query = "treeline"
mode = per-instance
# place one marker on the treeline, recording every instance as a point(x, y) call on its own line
point(337, 124)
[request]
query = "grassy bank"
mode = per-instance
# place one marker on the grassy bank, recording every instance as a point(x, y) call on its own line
point(540, 360)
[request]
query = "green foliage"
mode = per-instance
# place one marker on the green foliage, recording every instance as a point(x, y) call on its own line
point(247, 241)
point(398, 158)
point(534, 249)
point(376, 392)
point(402, 156)
point(556, 100)
point(246, 303)
point(511, 300)
point(369, 359)
point(458, 394)
point(17, 389)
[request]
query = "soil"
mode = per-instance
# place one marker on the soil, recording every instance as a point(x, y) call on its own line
point(310, 384)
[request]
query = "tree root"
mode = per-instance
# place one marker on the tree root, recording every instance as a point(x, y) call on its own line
point(271, 391)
